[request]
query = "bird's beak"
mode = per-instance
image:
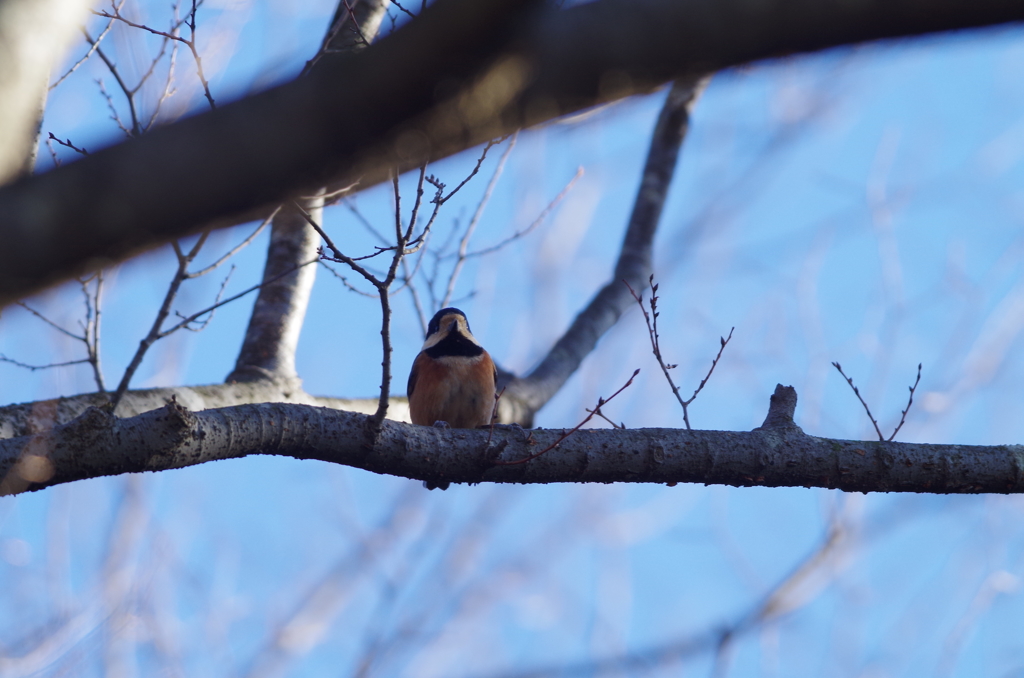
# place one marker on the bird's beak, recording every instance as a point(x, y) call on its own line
point(454, 326)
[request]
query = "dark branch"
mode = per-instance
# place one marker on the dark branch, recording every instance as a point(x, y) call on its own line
point(98, 444)
point(59, 224)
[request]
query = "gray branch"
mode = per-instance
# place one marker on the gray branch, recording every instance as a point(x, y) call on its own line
point(524, 397)
point(34, 34)
point(98, 444)
point(268, 349)
point(503, 65)
point(35, 417)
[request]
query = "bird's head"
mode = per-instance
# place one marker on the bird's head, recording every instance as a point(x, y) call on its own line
point(446, 322)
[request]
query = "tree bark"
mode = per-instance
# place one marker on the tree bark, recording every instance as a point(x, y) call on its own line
point(774, 455)
point(34, 34)
point(31, 418)
point(461, 73)
point(268, 348)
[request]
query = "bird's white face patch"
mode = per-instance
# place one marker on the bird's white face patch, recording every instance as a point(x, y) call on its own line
point(444, 327)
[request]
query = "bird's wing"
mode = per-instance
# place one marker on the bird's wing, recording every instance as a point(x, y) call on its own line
point(412, 377)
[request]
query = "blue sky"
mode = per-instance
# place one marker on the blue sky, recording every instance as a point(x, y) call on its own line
point(861, 205)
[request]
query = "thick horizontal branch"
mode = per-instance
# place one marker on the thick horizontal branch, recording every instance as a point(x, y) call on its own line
point(99, 444)
point(461, 73)
point(30, 418)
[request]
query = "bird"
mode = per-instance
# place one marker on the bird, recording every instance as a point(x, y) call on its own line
point(452, 378)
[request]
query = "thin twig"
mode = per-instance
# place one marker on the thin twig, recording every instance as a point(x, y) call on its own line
point(49, 322)
point(652, 330)
point(494, 414)
point(33, 368)
point(239, 247)
point(476, 168)
point(67, 144)
point(536, 222)
point(113, 109)
point(188, 42)
point(92, 50)
point(399, 6)
point(209, 309)
point(405, 244)
point(599, 413)
point(53, 153)
point(351, 205)
point(336, 254)
point(600, 403)
point(856, 392)
point(91, 326)
point(154, 333)
point(352, 17)
point(129, 93)
point(903, 413)
point(345, 282)
point(724, 341)
point(416, 302)
point(220, 293)
point(90, 336)
point(475, 220)
point(910, 402)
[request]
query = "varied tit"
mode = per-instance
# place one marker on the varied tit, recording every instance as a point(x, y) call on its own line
point(452, 378)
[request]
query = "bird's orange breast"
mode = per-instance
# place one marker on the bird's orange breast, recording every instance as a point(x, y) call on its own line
point(454, 389)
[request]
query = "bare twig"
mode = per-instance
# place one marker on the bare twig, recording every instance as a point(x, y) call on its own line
point(209, 309)
point(344, 281)
point(903, 417)
point(536, 222)
point(33, 368)
point(168, 90)
point(67, 144)
point(405, 244)
point(601, 402)
point(90, 336)
point(910, 401)
point(156, 331)
point(597, 412)
point(113, 109)
point(237, 248)
point(91, 326)
point(476, 168)
point(474, 221)
point(129, 92)
point(216, 305)
point(856, 392)
point(361, 218)
point(93, 46)
point(355, 23)
point(652, 330)
point(336, 254)
point(154, 334)
point(494, 415)
point(190, 42)
point(723, 341)
point(403, 9)
point(49, 322)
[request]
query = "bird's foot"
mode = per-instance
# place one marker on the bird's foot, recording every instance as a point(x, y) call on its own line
point(441, 424)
